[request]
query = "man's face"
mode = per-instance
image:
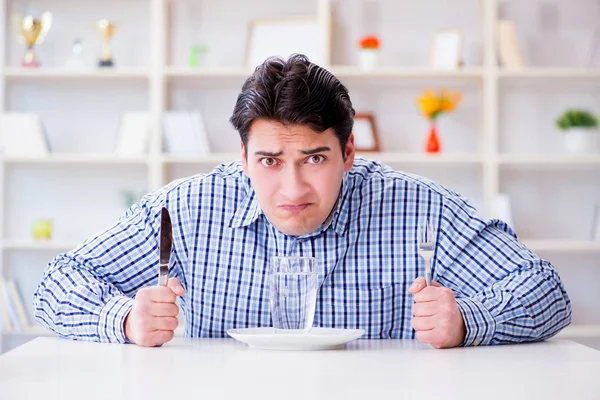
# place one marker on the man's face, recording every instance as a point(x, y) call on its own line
point(296, 173)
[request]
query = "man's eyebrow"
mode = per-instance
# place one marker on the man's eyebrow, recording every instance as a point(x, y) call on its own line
point(268, 154)
point(317, 150)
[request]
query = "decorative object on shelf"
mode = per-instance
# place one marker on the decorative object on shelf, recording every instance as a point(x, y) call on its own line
point(42, 229)
point(433, 105)
point(134, 134)
point(365, 133)
point(369, 51)
point(75, 60)
point(596, 222)
point(284, 37)
point(446, 51)
point(185, 133)
point(508, 45)
point(130, 197)
point(106, 30)
point(22, 135)
point(31, 32)
point(197, 56)
point(580, 129)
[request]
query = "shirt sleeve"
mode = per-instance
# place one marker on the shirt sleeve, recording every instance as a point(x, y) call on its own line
point(86, 293)
point(506, 293)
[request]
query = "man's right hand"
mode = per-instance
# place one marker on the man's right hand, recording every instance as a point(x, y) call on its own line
point(153, 318)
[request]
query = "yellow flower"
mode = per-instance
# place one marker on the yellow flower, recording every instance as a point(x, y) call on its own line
point(449, 100)
point(432, 104)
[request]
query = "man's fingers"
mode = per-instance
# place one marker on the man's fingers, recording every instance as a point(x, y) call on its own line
point(422, 323)
point(430, 293)
point(165, 323)
point(158, 294)
point(157, 338)
point(424, 309)
point(175, 286)
point(426, 337)
point(419, 284)
point(164, 310)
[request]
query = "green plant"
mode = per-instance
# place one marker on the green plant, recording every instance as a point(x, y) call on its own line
point(576, 119)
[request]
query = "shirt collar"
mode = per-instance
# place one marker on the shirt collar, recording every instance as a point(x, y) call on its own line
point(249, 210)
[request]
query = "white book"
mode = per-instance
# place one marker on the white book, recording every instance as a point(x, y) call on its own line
point(134, 134)
point(17, 302)
point(5, 312)
point(179, 133)
point(22, 135)
point(508, 45)
point(201, 132)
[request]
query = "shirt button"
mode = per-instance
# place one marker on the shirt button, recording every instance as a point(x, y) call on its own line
point(477, 342)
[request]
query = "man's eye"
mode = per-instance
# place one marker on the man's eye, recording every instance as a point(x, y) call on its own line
point(268, 162)
point(316, 159)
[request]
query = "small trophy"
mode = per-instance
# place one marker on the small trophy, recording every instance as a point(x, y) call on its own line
point(106, 30)
point(32, 31)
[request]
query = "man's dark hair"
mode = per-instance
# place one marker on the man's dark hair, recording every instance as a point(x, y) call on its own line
point(294, 92)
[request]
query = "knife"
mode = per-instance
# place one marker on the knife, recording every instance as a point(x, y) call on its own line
point(166, 243)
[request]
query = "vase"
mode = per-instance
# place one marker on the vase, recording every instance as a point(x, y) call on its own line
point(433, 141)
point(581, 140)
point(368, 58)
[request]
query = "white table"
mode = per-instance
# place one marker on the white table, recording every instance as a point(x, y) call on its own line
point(53, 368)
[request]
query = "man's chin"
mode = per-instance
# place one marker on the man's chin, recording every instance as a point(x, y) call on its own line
point(295, 230)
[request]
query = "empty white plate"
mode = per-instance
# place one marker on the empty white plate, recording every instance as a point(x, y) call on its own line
point(316, 339)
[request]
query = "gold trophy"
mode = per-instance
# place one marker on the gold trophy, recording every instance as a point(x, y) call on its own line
point(32, 31)
point(106, 30)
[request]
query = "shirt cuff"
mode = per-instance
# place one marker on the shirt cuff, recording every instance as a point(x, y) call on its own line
point(112, 318)
point(479, 323)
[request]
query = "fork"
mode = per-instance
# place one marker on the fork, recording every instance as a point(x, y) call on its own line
point(426, 244)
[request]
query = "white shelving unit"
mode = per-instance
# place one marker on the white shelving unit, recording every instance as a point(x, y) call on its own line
point(483, 160)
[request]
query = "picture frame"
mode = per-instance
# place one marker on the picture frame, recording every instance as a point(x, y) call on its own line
point(283, 37)
point(134, 134)
point(446, 49)
point(366, 138)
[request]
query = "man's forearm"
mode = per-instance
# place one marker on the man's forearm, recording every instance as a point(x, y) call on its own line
point(75, 304)
point(527, 305)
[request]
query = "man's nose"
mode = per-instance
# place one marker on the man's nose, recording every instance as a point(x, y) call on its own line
point(294, 186)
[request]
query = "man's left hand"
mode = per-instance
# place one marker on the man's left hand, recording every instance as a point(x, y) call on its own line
point(436, 316)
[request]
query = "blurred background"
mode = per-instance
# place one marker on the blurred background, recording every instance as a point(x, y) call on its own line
point(104, 101)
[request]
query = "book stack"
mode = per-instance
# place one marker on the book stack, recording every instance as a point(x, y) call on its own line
point(13, 314)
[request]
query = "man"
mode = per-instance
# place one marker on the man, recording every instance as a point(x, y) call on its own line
point(299, 190)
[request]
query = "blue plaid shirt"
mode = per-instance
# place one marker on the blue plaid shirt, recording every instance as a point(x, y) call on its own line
point(367, 255)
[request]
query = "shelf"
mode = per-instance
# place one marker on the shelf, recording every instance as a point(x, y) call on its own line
point(62, 73)
point(384, 157)
point(549, 160)
point(211, 158)
point(224, 72)
point(90, 158)
point(423, 158)
point(547, 73)
point(38, 245)
point(580, 331)
point(563, 246)
point(341, 71)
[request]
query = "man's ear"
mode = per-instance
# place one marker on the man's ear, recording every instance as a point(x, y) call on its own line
point(349, 153)
point(244, 158)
